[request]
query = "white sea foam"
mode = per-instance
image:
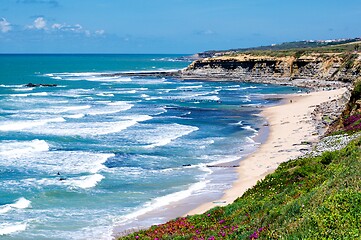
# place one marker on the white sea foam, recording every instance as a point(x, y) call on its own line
point(39, 94)
point(163, 201)
point(107, 79)
point(25, 89)
point(10, 228)
point(212, 98)
point(65, 162)
point(164, 134)
point(247, 99)
point(20, 95)
point(14, 148)
point(21, 203)
point(75, 116)
point(190, 87)
point(86, 129)
point(250, 87)
point(84, 181)
point(104, 94)
point(88, 76)
point(240, 123)
point(249, 128)
point(28, 124)
point(74, 108)
point(109, 108)
point(250, 140)
point(11, 86)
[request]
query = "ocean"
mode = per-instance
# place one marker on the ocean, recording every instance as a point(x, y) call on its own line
point(96, 152)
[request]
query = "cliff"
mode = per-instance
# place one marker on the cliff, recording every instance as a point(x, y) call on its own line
point(323, 69)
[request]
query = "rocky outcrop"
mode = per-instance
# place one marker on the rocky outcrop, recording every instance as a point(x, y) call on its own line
point(40, 85)
point(320, 69)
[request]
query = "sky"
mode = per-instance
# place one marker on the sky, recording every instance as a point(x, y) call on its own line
point(169, 26)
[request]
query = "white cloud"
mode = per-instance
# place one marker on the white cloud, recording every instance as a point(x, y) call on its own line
point(56, 26)
point(39, 23)
point(76, 28)
point(4, 26)
point(100, 32)
point(68, 28)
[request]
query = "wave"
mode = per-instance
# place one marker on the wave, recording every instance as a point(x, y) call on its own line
point(11, 86)
point(250, 87)
point(25, 89)
point(92, 129)
point(85, 181)
point(39, 94)
point(21, 125)
point(20, 148)
point(249, 128)
point(163, 201)
point(10, 228)
point(190, 87)
point(21, 203)
point(88, 76)
point(240, 123)
point(250, 140)
point(75, 116)
point(165, 134)
point(64, 162)
point(247, 99)
point(105, 94)
point(110, 108)
point(74, 108)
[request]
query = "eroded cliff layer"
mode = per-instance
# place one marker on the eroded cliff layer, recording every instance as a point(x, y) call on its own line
point(323, 69)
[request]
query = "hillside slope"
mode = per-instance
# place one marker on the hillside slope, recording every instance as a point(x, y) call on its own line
point(308, 198)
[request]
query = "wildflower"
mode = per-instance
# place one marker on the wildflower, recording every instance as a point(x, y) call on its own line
point(222, 221)
point(254, 235)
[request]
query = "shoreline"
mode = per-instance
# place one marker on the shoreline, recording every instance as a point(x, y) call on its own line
point(276, 146)
point(290, 127)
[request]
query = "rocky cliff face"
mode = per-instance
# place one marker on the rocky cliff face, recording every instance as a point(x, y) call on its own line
point(324, 69)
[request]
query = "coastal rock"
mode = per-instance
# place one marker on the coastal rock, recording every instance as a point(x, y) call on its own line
point(40, 85)
point(316, 70)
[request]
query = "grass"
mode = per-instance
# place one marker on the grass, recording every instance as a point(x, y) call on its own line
point(347, 49)
point(307, 198)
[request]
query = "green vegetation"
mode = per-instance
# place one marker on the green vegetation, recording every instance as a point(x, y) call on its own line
point(306, 198)
point(345, 49)
point(347, 45)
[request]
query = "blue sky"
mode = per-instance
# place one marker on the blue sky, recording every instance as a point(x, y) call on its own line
point(169, 26)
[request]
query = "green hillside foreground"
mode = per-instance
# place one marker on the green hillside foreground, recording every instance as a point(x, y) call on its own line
point(307, 198)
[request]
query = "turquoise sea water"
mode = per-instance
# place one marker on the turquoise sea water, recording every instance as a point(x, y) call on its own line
point(96, 152)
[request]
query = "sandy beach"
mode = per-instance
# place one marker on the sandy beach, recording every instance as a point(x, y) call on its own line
point(290, 124)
